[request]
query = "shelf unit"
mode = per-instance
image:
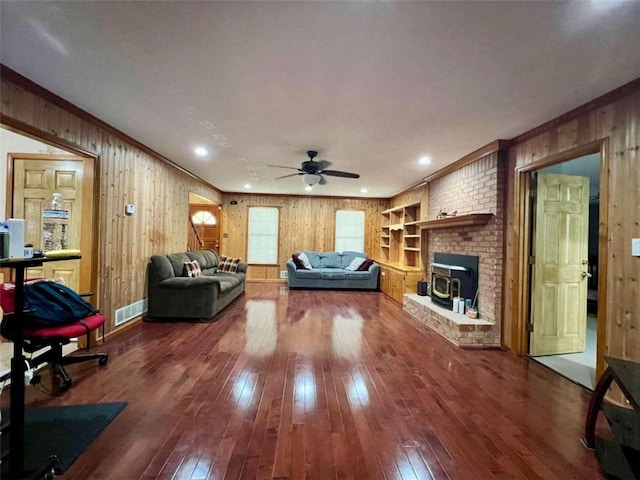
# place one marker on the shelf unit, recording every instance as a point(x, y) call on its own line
point(400, 250)
point(400, 237)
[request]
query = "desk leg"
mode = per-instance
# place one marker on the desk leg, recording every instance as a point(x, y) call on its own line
point(17, 398)
point(597, 397)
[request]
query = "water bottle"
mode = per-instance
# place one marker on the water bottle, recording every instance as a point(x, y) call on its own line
point(55, 224)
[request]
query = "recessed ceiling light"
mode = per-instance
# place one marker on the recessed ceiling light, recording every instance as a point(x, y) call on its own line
point(425, 160)
point(363, 190)
point(247, 186)
point(201, 151)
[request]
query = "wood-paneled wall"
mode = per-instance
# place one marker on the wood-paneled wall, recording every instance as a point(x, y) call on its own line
point(416, 194)
point(129, 173)
point(613, 121)
point(306, 223)
point(126, 173)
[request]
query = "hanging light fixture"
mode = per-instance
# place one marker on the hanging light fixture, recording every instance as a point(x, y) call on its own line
point(311, 179)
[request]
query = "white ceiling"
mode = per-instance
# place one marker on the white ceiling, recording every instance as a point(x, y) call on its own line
point(372, 86)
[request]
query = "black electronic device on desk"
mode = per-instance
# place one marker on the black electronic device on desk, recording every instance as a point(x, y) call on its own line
point(16, 465)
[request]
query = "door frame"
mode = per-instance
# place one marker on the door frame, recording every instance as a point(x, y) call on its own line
point(89, 247)
point(521, 292)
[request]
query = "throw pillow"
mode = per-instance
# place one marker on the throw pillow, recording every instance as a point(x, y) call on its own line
point(306, 264)
point(228, 264)
point(366, 264)
point(192, 269)
point(355, 264)
point(296, 260)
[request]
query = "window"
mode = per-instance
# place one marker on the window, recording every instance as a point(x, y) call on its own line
point(263, 235)
point(202, 217)
point(350, 230)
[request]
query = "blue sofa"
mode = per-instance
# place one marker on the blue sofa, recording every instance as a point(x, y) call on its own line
point(329, 271)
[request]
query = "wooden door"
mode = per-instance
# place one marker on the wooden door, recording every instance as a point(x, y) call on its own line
point(559, 282)
point(396, 287)
point(384, 280)
point(208, 233)
point(35, 179)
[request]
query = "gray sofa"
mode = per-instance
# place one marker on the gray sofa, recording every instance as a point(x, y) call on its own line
point(175, 296)
point(328, 271)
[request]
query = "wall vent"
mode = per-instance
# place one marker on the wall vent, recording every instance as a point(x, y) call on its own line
point(284, 274)
point(124, 314)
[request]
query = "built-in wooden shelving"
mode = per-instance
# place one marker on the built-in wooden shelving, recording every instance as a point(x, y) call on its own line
point(468, 220)
point(400, 236)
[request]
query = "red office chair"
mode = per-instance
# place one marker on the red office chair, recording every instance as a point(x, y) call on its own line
point(53, 338)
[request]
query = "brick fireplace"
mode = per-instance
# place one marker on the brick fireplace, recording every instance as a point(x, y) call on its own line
point(476, 187)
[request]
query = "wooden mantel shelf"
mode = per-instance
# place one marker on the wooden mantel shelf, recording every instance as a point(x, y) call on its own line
point(469, 220)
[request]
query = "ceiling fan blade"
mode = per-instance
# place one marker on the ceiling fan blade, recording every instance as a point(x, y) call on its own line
point(290, 175)
point(322, 164)
point(323, 181)
point(337, 173)
point(280, 166)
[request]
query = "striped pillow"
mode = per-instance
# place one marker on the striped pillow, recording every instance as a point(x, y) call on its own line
point(228, 264)
point(192, 269)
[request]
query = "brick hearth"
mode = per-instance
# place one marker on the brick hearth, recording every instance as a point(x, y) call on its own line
point(475, 188)
point(455, 327)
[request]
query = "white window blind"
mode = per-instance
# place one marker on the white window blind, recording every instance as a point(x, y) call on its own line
point(350, 230)
point(263, 235)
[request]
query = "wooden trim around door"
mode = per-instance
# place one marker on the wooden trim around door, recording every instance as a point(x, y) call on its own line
point(88, 275)
point(521, 294)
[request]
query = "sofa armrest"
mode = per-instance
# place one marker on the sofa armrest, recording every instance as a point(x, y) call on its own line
point(374, 268)
point(291, 268)
point(242, 267)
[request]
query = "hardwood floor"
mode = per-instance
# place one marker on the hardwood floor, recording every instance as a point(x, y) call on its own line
point(323, 384)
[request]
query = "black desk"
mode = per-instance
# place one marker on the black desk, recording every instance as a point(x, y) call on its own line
point(17, 467)
point(619, 458)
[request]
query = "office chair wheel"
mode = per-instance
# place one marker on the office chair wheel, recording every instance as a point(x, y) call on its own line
point(103, 360)
point(65, 385)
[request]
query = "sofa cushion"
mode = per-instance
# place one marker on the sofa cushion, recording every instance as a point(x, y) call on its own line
point(330, 260)
point(304, 261)
point(314, 259)
point(358, 275)
point(228, 264)
point(355, 264)
point(332, 274)
point(348, 256)
point(206, 258)
point(313, 273)
point(366, 264)
point(228, 282)
point(177, 262)
point(162, 268)
point(192, 269)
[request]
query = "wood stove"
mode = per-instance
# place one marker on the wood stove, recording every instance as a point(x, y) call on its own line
point(453, 276)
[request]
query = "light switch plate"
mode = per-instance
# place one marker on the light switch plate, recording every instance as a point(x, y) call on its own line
point(635, 247)
point(129, 209)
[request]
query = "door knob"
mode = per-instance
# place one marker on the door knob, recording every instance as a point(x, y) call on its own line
point(586, 275)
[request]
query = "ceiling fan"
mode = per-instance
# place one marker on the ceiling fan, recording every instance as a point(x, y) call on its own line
point(313, 171)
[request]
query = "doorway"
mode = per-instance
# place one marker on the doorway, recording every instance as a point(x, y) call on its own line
point(203, 224)
point(76, 174)
point(18, 145)
point(563, 273)
point(34, 179)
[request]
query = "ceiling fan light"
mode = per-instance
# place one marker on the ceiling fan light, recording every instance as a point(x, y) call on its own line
point(311, 179)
